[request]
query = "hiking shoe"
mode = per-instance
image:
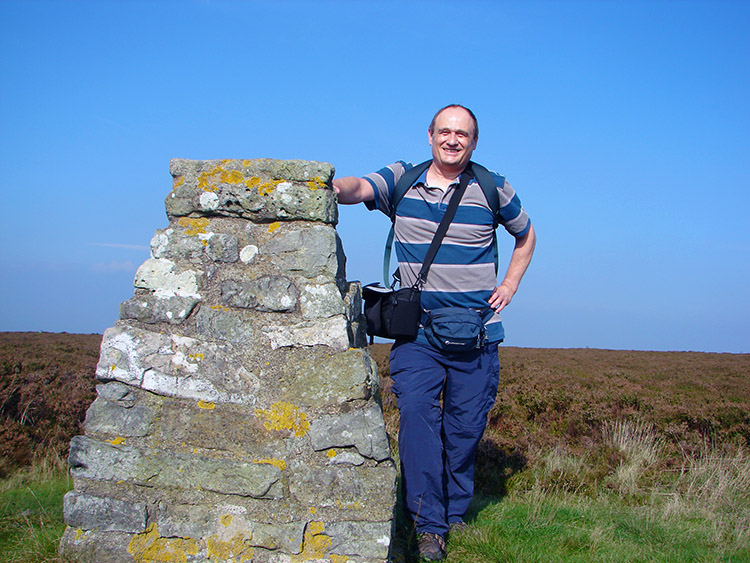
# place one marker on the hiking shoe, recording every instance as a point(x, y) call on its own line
point(431, 546)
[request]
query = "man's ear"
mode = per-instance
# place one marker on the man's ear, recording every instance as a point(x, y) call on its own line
point(429, 137)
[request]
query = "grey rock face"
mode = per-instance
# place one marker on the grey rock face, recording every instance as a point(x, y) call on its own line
point(237, 417)
point(261, 191)
point(265, 294)
point(151, 308)
point(361, 429)
point(105, 514)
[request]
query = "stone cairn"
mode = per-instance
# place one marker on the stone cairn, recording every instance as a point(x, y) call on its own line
point(237, 418)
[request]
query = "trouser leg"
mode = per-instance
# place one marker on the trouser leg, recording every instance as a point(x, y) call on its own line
point(418, 379)
point(470, 391)
point(438, 446)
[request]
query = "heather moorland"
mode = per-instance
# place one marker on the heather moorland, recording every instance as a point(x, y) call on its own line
point(590, 455)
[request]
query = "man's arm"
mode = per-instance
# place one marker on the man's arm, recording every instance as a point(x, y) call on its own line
point(351, 189)
point(519, 261)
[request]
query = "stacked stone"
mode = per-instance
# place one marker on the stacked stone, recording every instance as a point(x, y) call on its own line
point(237, 417)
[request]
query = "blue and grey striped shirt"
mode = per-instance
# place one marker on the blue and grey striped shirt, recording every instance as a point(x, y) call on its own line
point(463, 272)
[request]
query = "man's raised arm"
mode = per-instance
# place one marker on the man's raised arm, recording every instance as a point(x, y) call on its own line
point(351, 189)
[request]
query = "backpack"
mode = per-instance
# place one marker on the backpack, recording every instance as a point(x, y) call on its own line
point(479, 172)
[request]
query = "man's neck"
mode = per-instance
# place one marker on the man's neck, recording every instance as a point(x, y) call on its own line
point(442, 177)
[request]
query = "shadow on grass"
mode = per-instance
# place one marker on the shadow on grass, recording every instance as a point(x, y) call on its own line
point(493, 468)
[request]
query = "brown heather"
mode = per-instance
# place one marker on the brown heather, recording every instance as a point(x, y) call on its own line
point(562, 406)
point(46, 384)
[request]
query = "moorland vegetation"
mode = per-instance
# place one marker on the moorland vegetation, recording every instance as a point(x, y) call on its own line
point(590, 455)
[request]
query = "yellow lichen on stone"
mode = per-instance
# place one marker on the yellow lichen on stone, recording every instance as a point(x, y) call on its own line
point(226, 519)
point(316, 183)
point(338, 558)
point(315, 543)
point(331, 454)
point(79, 534)
point(150, 547)
point(313, 510)
point(193, 225)
point(198, 357)
point(209, 179)
point(178, 182)
point(207, 405)
point(280, 463)
point(273, 226)
point(267, 187)
point(220, 307)
point(234, 550)
point(117, 441)
point(284, 416)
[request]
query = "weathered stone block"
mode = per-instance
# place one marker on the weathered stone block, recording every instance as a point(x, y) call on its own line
point(92, 459)
point(222, 248)
point(157, 274)
point(105, 514)
point(362, 429)
point(333, 379)
point(259, 191)
point(366, 491)
point(217, 323)
point(226, 522)
point(368, 540)
point(153, 308)
point(95, 546)
point(175, 244)
point(264, 294)
point(321, 301)
point(331, 332)
point(310, 252)
point(109, 417)
point(176, 366)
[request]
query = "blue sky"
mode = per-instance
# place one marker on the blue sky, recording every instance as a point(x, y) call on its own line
point(623, 126)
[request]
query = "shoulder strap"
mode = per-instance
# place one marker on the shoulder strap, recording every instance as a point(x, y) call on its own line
point(404, 183)
point(489, 187)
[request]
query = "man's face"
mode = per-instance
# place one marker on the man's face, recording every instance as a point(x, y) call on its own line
point(452, 139)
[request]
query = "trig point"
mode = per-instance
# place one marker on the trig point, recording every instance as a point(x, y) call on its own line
point(237, 418)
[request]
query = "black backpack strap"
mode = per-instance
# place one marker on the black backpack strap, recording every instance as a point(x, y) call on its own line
point(489, 187)
point(404, 183)
point(402, 186)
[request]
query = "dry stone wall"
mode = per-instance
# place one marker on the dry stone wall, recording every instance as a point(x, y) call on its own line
point(237, 418)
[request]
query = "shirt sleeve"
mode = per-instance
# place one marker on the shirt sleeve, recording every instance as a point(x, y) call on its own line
point(512, 214)
point(383, 183)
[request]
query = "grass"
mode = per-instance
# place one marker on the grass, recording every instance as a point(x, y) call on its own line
point(31, 521)
point(699, 513)
point(553, 512)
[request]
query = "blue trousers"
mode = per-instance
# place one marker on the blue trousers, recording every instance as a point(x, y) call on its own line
point(438, 440)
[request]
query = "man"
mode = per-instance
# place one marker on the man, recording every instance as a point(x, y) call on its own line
point(437, 444)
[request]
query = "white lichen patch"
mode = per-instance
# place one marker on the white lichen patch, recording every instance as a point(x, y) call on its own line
point(209, 201)
point(248, 253)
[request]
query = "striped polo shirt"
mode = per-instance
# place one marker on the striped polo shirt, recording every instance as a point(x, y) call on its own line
point(463, 272)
